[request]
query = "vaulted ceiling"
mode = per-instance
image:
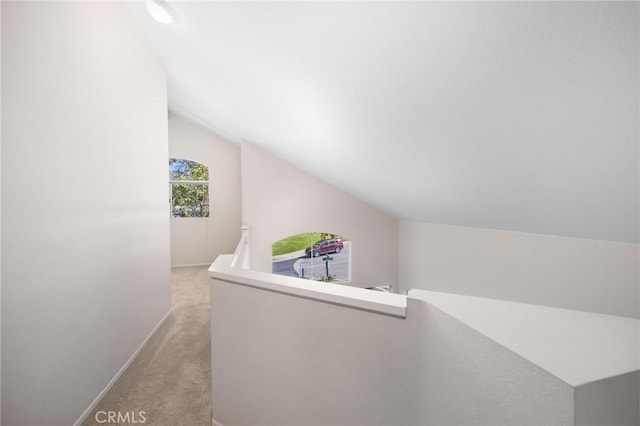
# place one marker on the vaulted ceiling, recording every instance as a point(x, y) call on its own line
point(519, 116)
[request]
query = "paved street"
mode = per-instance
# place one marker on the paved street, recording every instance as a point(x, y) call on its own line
point(284, 267)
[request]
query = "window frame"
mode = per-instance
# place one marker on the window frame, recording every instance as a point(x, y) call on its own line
point(204, 183)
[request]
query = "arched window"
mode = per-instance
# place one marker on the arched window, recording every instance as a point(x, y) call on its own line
point(319, 256)
point(189, 184)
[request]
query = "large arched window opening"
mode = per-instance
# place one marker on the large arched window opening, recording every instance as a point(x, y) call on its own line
point(189, 188)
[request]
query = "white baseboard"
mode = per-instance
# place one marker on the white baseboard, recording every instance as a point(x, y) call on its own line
point(214, 423)
point(189, 265)
point(106, 389)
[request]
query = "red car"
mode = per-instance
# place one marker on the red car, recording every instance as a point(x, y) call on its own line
point(333, 245)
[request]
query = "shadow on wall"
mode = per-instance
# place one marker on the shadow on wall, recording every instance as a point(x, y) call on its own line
point(319, 256)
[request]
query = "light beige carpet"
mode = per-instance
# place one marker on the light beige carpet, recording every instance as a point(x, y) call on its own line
point(170, 380)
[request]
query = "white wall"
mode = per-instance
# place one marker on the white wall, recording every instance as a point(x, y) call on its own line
point(469, 379)
point(279, 359)
point(85, 229)
point(613, 401)
point(587, 275)
point(279, 200)
point(201, 240)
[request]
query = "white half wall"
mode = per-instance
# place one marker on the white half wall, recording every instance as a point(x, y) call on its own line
point(283, 360)
point(85, 227)
point(613, 401)
point(469, 379)
point(587, 275)
point(279, 200)
point(200, 240)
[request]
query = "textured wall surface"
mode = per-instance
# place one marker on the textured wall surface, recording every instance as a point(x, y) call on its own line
point(85, 229)
point(279, 359)
point(280, 200)
point(614, 401)
point(586, 275)
point(469, 379)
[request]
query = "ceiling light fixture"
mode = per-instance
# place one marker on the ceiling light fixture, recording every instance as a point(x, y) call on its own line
point(161, 11)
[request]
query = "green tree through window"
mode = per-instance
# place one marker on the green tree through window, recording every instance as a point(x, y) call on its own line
point(189, 182)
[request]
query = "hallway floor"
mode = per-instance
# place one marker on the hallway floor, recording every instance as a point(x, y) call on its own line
point(170, 380)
